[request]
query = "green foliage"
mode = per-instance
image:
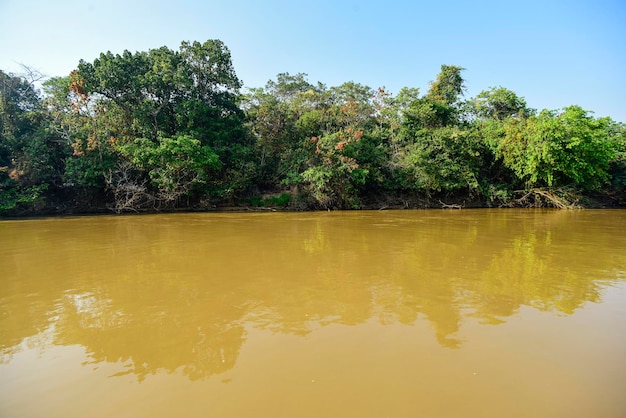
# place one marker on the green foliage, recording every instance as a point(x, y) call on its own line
point(288, 87)
point(31, 158)
point(339, 157)
point(281, 118)
point(175, 166)
point(319, 179)
point(334, 176)
point(163, 92)
point(444, 159)
point(550, 149)
point(12, 196)
point(167, 128)
point(617, 168)
point(88, 170)
point(500, 103)
point(20, 111)
point(18, 102)
point(170, 112)
point(427, 113)
point(449, 85)
point(282, 200)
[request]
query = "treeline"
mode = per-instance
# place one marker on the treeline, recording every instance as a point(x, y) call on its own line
point(165, 130)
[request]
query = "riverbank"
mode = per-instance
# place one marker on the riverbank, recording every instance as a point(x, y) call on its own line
point(293, 202)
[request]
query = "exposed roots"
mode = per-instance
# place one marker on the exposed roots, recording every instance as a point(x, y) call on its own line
point(546, 197)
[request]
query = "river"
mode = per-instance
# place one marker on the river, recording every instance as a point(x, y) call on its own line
point(417, 313)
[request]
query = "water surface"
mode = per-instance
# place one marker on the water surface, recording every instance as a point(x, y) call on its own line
point(485, 313)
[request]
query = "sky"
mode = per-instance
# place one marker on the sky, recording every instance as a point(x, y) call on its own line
point(552, 53)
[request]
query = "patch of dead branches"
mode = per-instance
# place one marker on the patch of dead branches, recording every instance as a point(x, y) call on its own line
point(560, 198)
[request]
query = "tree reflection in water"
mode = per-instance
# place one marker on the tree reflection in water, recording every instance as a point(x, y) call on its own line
point(176, 293)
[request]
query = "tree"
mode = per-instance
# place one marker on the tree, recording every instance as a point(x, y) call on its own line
point(617, 169)
point(22, 158)
point(343, 156)
point(161, 93)
point(287, 87)
point(444, 159)
point(209, 67)
point(449, 85)
point(428, 113)
point(164, 92)
point(439, 107)
point(174, 166)
point(18, 102)
point(559, 149)
point(282, 117)
point(500, 103)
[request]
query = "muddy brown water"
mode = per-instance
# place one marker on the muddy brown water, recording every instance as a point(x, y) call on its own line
point(470, 313)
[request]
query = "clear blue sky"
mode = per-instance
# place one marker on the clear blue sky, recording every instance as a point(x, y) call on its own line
point(553, 53)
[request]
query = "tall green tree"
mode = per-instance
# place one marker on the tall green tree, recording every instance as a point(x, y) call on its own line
point(449, 85)
point(439, 153)
point(141, 98)
point(282, 117)
point(26, 163)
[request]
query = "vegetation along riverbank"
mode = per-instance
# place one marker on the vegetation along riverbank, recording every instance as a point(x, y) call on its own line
point(164, 130)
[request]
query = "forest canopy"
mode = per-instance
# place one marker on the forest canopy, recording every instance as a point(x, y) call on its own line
point(171, 129)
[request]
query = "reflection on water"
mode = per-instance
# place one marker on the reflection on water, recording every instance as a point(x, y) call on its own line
point(200, 296)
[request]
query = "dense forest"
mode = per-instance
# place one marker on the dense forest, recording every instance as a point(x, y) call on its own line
point(175, 130)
